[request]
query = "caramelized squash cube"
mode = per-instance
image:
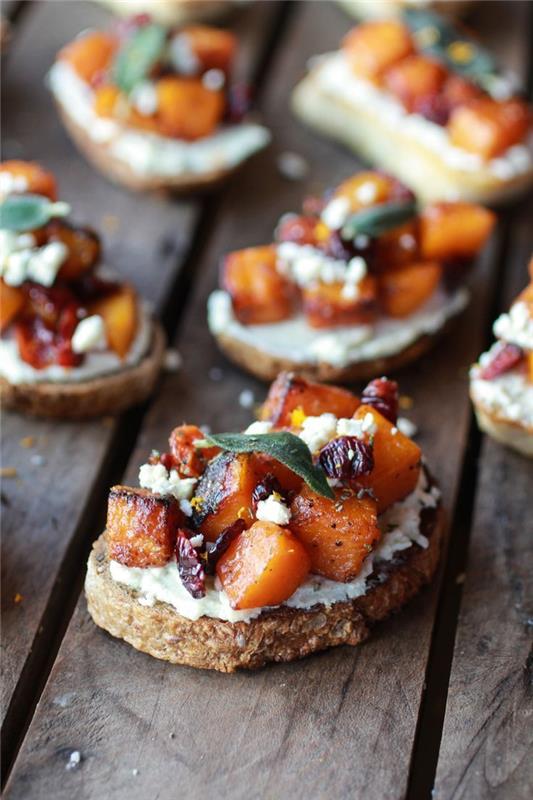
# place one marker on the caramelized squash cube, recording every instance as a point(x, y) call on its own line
point(120, 314)
point(366, 189)
point(396, 248)
point(106, 100)
point(12, 301)
point(291, 392)
point(263, 567)
point(454, 231)
point(141, 527)
point(260, 294)
point(83, 248)
point(288, 480)
point(224, 493)
point(90, 55)
point(415, 80)
point(375, 46)
point(404, 290)
point(186, 109)
point(396, 462)
point(214, 48)
point(190, 460)
point(489, 127)
point(330, 305)
point(338, 534)
point(30, 177)
point(529, 358)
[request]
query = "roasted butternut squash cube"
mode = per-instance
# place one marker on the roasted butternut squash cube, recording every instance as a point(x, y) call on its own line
point(190, 460)
point(291, 392)
point(141, 527)
point(454, 231)
point(106, 100)
point(224, 493)
point(90, 55)
point(338, 534)
point(83, 248)
point(366, 189)
point(263, 567)
point(28, 176)
point(12, 301)
point(529, 357)
point(288, 480)
point(457, 91)
point(396, 248)
point(402, 291)
point(489, 127)
point(414, 80)
point(260, 294)
point(375, 46)
point(331, 305)
point(396, 462)
point(187, 109)
point(120, 314)
point(213, 47)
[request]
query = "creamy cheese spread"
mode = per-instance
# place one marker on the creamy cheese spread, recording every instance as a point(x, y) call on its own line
point(400, 525)
point(516, 327)
point(509, 396)
point(337, 78)
point(147, 153)
point(295, 340)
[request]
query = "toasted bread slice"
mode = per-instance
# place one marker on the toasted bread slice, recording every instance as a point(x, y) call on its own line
point(508, 432)
point(108, 394)
point(281, 634)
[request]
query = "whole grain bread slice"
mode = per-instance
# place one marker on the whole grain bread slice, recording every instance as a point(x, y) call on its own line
point(108, 394)
point(281, 634)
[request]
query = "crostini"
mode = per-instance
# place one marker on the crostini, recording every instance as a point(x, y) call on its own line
point(154, 108)
point(501, 383)
point(173, 12)
point(390, 9)
point(359, 284)
point(425, 103)
point(295, 536)
point(75, 340)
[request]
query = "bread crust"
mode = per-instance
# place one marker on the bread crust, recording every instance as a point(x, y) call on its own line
point(508, 432)
point(283, 634)
point(99, 396)
point(100, 156)
point(385, 9)
point(266, 367)
point(364, 130)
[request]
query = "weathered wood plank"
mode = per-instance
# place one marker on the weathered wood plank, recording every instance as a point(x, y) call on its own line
point(342, 722)
point(147, 239)
point(487, 743)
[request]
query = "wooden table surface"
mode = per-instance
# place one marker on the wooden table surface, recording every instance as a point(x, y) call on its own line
point(439, 699)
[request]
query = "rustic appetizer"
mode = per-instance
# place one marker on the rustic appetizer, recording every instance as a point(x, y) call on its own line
point(173, 12)
point(501, 383)
point(426, 103)
point(387, 9)
point(155, 108)
point(359, 284)
point(75, 340)
point(294, 536)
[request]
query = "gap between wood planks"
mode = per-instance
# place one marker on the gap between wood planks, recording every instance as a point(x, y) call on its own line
point(65, 593)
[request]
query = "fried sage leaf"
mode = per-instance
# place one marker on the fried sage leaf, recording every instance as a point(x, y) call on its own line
point(26, 212)
point(377, 220)
point(138, 55)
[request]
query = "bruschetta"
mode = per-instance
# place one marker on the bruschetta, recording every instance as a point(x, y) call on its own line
point(390, 9)
point(425, 103)
point(295, 536)
point(154, 108)
point(75, 340)
point(501, 383)
point(360, 284)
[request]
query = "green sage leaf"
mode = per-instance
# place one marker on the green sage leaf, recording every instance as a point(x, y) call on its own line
point(377, 220)
point(27, 212)
point(284, 447)
point(138, 55)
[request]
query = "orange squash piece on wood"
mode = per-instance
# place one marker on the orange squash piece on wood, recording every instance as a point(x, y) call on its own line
point(404, 290)
point(263, 567)
point(224, 493)
point(32, 178)
point(291, 392)
point(260, 294)
point(186, 109)
point(373, 47)
point(450, 231)
point(12, 300)
point(90, 55)
point(489, 127)
point(120, 314)
point(396, 462)
point(338, 534)
point(141, 527)
point(331, 305)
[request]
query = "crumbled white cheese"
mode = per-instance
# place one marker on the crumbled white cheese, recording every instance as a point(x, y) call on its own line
point(292, 166)
point(273, 509)
point(172, 361)
point(21, 261)
point(335, 214)
point(355, 272)
point(318, 431)
point(357, 427)
point(12, 184)
point(509, 396)
point(246, 398)
point(90, 334)
point(366, 193)
point(160, 481)
point(182, 56)
point(260, 426)
point(74, 760)
point(406, 427)
point(516, 327)
point(307, 266)
point(198, 540)
point(214, 80)
point(144, 98)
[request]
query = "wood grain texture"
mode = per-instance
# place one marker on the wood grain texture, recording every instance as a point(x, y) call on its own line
point(340, 723)
point(146, 238)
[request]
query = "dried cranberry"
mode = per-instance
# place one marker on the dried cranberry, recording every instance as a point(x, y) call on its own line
point(222, 543)
point(339, 248)
point(296, 228)
point(507, 357)
point(265, 488)
point(382, 395)
point(190, 566)
point(167, 460)
point(346, 457)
